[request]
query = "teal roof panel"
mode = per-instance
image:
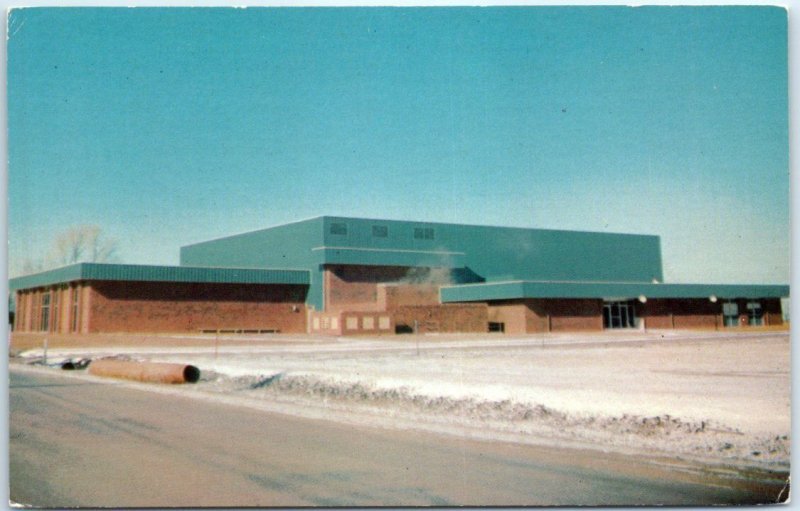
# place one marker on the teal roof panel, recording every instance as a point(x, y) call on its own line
point(508, 253)
point(609, 290)
point(389, 257)
point(147, 273)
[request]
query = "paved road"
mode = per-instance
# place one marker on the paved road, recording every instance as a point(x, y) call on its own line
point(77, 442)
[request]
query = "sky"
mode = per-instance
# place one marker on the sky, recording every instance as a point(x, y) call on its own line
point(172, 126)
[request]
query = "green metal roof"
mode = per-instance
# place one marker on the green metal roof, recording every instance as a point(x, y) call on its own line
point(132, 272)
point(285, 246)
point(503, 253)
point(490, 253)
point(389, 257)
point(623, 290)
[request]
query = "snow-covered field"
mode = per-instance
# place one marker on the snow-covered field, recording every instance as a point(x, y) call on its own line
point(717, 397)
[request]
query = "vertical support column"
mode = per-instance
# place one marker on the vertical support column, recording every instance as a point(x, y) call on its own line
point(35, 310)
point(18, 314)
point(84, 309)
point(26, 326)
point(63, 309)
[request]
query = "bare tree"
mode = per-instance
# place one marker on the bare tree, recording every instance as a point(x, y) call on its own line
point(83, 243)
point(31, 266)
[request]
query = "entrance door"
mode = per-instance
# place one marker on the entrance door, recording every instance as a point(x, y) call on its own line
point(618, 315)
point(730, 314)
point(755, 314)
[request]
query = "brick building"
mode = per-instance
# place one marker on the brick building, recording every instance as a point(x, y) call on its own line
point(345, 276)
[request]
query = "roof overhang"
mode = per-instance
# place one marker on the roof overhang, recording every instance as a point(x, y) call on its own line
point(520, 289)
point(147, 273)
point(389, 257)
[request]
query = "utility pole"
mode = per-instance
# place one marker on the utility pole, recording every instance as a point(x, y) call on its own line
point(416, 334)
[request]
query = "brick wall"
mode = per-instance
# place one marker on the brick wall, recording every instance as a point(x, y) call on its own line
point(548, 315)
point(392, 296)
point(352, 323)
point(190, 307)
point(450, 317)
point(356, 287)
point(325, 323)
point(361, 322)
point(575, 315)
point(513, 315)
point(699, 313)
point(60, 311)
point(773, 314)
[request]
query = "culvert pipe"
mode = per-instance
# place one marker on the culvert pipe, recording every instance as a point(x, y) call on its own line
point(151, 372)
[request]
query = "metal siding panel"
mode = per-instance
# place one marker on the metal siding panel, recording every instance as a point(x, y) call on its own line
point(285, 246)
point(490, 253)
point(510, 253)
point(517, 290)
point(373, 257)
point(129, 272)
point(46, 278)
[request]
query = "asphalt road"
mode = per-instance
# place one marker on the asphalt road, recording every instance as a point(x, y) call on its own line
point(77, 442)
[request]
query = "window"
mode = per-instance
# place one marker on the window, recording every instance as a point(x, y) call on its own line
point(75, 310)
point(423, 233)
point(20, 316)
point(619, 315)
point(380, 231)
point(44, 323)
point(496, 326)
point(56, 295)
point(338, 228)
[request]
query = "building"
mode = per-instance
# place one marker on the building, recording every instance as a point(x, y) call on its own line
point(344, 276)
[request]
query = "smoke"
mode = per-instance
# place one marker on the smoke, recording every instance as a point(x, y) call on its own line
point(425, 275)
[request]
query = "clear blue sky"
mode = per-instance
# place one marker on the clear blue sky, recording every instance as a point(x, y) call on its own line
point(172, 126)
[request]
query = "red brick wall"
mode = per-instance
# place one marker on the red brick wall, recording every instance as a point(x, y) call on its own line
point(555, 315)
point(392, 296)
point(695, 313)
point(450, 317)
point(361, 322)
point(513, 315)
point(352, 323)
point(325, 323)
point(701, 313)
point(657, 314)
point(773, 315)
point(28, 316)
point(189, 307)
point(356, 287)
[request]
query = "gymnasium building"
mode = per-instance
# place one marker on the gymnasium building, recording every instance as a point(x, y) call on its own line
point(350, 276)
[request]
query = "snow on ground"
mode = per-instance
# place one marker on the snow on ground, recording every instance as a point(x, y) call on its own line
point(713, 396)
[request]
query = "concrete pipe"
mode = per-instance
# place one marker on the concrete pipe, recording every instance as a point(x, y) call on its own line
point(145, 371)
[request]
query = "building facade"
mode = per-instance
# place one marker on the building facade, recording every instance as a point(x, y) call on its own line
point(347, 276)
